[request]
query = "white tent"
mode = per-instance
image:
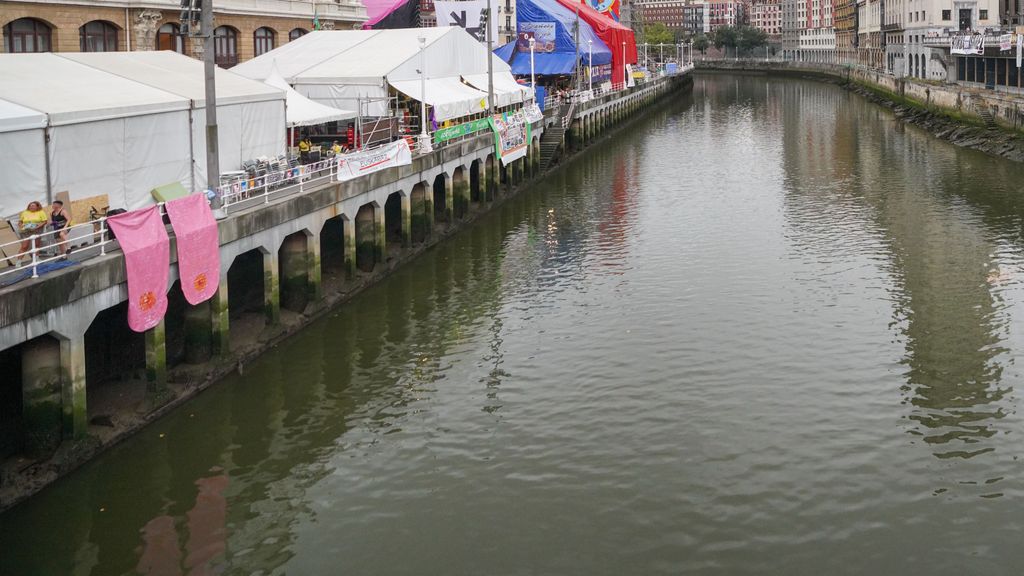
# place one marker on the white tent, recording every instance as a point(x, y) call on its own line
point(506, 90)
point(107, 135)
point(359, 66)
point(301, 110)
point(121, 124)
point(22, 157)
point(250, 114)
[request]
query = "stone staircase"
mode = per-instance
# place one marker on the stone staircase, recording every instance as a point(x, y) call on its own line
point(550, 144)
point(983, 111)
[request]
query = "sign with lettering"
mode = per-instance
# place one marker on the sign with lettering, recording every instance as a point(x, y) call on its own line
point(543, 34)
point(967, 44)
point(466, 128)
point(511, 136)
point(357, 164)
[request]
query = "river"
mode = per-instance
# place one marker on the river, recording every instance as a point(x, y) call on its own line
point(766, 329)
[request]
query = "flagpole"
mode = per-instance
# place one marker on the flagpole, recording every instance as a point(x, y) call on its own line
point(490, 61)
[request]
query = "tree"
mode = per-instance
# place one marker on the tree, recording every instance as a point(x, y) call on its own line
point(700, 42)
point(749, 38)
point(657, 33)
point(724, 37)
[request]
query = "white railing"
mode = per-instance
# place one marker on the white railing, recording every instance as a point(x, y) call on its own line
point(92, 238)
point(259, 189)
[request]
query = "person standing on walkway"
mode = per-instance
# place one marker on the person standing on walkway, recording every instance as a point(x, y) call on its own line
point(60, 221)
point(31, 224)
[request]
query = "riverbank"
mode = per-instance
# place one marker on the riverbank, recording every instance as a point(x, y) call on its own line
point(990, 123)
point(132, 403)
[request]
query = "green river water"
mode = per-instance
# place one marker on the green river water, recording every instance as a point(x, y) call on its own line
point(767, 329)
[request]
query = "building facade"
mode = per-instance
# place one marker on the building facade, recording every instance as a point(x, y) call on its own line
point(844, 22)
point(245, 28)
point(671, 13)
point(725, 13)
point(807, 32)
point(696, 19)
point(766, 15)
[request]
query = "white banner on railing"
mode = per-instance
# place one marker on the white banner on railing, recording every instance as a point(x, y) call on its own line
point(533, 113)
point(369, 161)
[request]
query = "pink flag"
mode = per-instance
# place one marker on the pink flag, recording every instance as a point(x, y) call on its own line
point(198, 248)
point(147, 257)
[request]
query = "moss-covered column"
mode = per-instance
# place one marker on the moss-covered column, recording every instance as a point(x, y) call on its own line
point(518, 169)
point(156, 366)
point(460, 195)
point(198, 333)
point(294, 273)
point(535, 159)
point(366, 238)
point(421, 218)
point(220, 318)
point(348, 230)
point(449, 200)
point(271, 289)
point(406, 220)
point(314, 273)
point(574, 135)
point(492, 178)
point(509, 182)
point(42, 414)
point(72, 366)
point(380, 236)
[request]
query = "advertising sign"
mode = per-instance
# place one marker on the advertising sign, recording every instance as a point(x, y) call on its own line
point(967, 44)
point(369, 161)
point(452, 132)
point(511, 136)
point(533, 113)
point(468, 14)
point(543, 34)
point(1005, 42)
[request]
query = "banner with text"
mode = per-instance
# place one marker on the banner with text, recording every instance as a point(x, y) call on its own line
point(967, 44)
point(511, 136)
point(543, 34)
point(452, 132)
point(358, 164)
point(468, 14)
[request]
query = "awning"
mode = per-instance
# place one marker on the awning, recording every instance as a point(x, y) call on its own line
point(449, 96)
point(302, 111)
point(506, 90)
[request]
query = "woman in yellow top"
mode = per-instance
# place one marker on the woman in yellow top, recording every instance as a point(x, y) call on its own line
point(32, 222)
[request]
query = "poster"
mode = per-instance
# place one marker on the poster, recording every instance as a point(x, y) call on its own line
point(369, 161)
point(543, 34)
point(511, 136)
point(533, 113)
point(967, 44)
point(1005, 42)
point(468, 14)
point(609, 8)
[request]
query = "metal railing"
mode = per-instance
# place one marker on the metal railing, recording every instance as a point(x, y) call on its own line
point(93, 238)
point(259, 189)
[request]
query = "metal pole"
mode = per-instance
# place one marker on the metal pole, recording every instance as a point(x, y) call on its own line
point(533, 78)
point(210, 68)
point(625, 82)
point(490, 60)
point(424, 136)
point(590, 65)
point(576, 41)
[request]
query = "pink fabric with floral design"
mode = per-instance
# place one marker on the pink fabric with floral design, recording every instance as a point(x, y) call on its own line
point(147, 258)
point(195, 233)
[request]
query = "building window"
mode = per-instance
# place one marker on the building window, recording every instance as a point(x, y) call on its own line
point(947, 15)
point(296, 34)
point(26, 35)
point(225, 46)
point(263, 40)
point(98, 36)
point(983, 14)
point(168, 37)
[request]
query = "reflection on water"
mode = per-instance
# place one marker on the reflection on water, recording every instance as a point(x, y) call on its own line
point(765, 330)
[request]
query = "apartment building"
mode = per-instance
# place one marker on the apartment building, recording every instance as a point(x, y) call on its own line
point(766, 15)
point(671, 13)
point(807, 33)
point(244, 28)
point(844, 23)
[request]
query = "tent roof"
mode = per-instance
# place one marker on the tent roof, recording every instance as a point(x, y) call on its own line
point(613, 34)
point(544, 11)
point(449, 97)
point(301, 110)
point(69, 92)
point(303, 53)
point(506, 90)
point(14, 117)
point(177, 74)
point(370, 61)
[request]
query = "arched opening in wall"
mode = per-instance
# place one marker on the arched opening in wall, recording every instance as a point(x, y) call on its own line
point(366, 237)
point(440, 198)
point(246, 298)
point(11, 398)
point(174, 325)
point(419, 218)
point(293, 271)
point(393, 222)
point(31, 418)
point(169, 37)
point(474, 181)
point(332, 253)
point(115, 366)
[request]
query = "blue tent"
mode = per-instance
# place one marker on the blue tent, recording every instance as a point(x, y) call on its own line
point(549, 21)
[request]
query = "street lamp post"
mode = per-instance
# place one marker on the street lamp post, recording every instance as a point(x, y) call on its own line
point(424, 136)
point(590, 65)
point(661, 49)
point(533, 79)
point(625, 82)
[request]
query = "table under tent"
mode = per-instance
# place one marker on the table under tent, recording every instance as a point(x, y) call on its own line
point(377, 74)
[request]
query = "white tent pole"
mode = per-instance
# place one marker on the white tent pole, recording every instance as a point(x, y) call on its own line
point(424, 136)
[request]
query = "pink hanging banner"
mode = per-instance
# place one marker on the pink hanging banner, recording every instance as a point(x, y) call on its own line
point(195, 231)
point(147, 257)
